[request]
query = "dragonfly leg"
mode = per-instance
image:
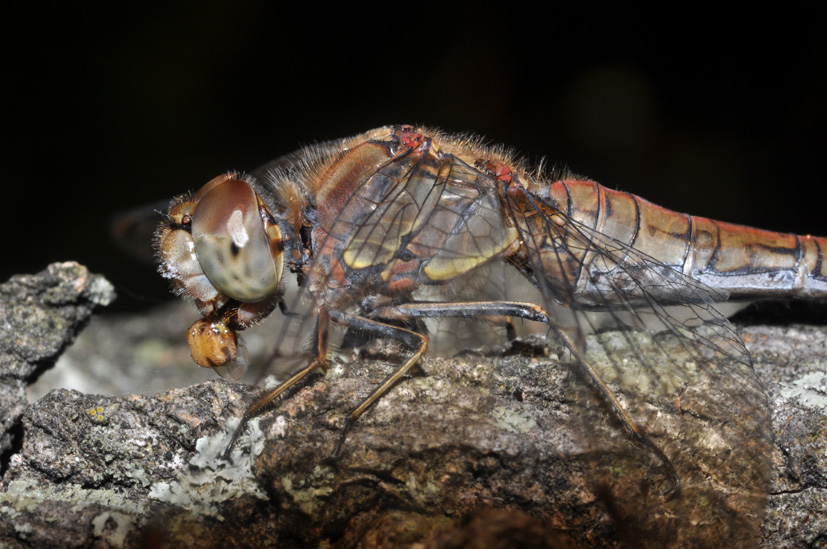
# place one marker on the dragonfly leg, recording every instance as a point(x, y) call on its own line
point(318, 361)
point(531, 311)
point(416, 341)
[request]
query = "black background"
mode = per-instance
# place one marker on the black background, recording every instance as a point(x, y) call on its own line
point(108, 108)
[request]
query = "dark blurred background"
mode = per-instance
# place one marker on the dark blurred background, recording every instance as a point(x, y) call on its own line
point(113, 107)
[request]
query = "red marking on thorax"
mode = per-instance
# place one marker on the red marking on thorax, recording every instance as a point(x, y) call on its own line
point(411, 139)
point(402, 284)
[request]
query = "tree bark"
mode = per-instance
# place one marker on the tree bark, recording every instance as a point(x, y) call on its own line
point(476, 450)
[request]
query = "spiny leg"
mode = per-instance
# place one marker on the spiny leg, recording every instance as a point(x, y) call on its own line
point(426, 309)
point(416, 341)
point(318, 361)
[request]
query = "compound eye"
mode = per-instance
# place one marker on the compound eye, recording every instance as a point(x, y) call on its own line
point(231, 243)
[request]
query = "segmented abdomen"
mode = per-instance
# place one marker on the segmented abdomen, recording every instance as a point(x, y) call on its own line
point(742, 261)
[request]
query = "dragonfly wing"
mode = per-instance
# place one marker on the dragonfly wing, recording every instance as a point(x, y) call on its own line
point(690, 388)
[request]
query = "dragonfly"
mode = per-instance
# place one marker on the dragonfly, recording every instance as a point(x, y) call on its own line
point(400, 225)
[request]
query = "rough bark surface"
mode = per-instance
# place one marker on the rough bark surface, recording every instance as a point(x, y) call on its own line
point(41, 315)
point(472, 451)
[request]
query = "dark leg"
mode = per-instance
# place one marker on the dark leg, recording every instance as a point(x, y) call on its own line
point(318, 361)
point(417, 342)
point(529, 311)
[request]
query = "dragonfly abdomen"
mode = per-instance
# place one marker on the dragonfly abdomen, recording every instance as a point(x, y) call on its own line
point(751, 263)
point(742, 262)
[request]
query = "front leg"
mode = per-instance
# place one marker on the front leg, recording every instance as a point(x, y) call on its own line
point(319, 360)
point(415, 341)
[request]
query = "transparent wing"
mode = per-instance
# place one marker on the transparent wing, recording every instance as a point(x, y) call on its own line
point(407, 206)
point(677, 367)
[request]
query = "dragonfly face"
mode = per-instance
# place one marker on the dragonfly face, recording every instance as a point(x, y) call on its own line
point(224, 249)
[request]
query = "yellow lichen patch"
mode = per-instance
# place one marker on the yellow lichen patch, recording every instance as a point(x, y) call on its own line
point(95, 413)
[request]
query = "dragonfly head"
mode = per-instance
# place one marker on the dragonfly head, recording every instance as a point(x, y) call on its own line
point(224, 249)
